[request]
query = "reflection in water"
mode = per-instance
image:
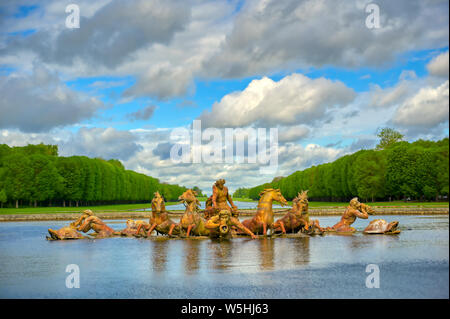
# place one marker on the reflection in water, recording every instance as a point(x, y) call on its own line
point(158, 254)
point(301, 250)
point(328, 266)
point(266, 253)
point(191, 250)
point(221, 253)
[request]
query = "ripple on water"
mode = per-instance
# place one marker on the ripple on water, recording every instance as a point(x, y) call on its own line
point(329, 266)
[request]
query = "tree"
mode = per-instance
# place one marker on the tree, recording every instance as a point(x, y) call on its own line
point(18, 177)
point(46, 179)
point(370, 171)
point(388, 137)
point(3, 198)
point(198, 190)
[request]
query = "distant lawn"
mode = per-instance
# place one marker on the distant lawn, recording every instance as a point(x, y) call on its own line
point(344, 204)
point(102, 208)
point(133, 207)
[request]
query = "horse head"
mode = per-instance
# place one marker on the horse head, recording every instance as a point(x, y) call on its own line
point(273, 194)
point(189, 198)
point(158, 205)
point(300, 202)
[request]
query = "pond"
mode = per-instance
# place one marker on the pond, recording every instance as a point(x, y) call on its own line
point(413, 264)
point(239, 204)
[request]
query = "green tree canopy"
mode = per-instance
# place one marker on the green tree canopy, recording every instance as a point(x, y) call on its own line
point(388, 137)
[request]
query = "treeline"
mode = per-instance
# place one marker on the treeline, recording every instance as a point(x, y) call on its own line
point(416, 171)
point(35, 175)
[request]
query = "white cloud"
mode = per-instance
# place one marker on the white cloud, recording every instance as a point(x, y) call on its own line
point(106, 143)
point(295, 99)
point(40, 101)
point(438, 66)
point(293, 133)
point(271, 35)
point(168, 45)
point(427, 108)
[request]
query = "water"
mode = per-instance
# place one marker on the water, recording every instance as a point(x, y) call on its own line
point(240, 205)
point(414, 264)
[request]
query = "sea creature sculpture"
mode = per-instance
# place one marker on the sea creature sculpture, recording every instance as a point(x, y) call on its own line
point(64, 233)
point(220, 225)
point(71, 231)
point(380, 226)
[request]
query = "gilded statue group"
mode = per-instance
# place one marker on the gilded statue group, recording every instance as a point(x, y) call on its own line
point(220, 220)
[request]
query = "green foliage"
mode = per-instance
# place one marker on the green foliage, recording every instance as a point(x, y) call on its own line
point(198, 190)
point(35, 174)
point(388, 137)
point(418, 170)
point(3, 197)
point(241, 193)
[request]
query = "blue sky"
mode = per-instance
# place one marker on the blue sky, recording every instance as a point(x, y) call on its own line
point(136, 70)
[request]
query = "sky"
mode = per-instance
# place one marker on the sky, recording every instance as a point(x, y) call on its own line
point(135, 71)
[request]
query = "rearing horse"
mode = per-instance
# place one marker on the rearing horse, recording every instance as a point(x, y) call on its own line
point(191, 219)
point(160, 218)
point(297, 218)
point(263, 218)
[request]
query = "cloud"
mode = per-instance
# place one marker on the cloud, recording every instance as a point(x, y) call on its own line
point(438, 66)
point(426, 109)
point(387, 97)
point(362, 144)
point(39, 101)
point(293, 157)
point(144, 114)
point(295, 99)
point(162, 82)
point(111, 34)
point(271, 35)
point(167, 45)
point(163, 150)
point(291, 134)
point(106, 143)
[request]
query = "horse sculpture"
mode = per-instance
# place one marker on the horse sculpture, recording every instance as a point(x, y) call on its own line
point(297, 219)
point(263, 218)
point(191, 221)
point(160, 220)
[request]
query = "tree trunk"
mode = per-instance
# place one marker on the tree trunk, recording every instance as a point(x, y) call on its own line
point(17, 203)
point(35, 203)
point(70, 203)
point(77, 203)
point(64, 203)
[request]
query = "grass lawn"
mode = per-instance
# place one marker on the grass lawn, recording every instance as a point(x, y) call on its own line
point(104, 208)
point(132, 207)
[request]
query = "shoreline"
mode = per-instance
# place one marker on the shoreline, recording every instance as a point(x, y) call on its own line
point(334, 211)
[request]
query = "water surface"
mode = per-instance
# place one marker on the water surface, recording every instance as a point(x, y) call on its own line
point(239, 204)
point(414, 264)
